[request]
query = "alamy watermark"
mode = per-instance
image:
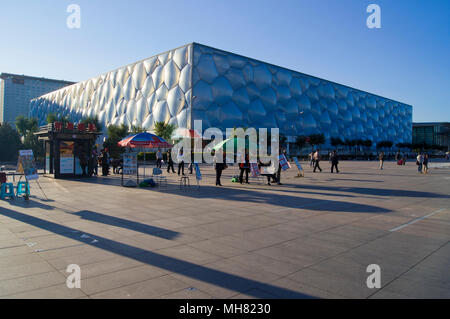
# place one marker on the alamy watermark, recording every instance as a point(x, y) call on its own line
point(74, 279)
point(374, 279)
point(374, 19)
point(74, 19)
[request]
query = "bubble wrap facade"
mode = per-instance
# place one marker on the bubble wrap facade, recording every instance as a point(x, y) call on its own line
point(196, 82)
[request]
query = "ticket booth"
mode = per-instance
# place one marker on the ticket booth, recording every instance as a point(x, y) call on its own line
point(67, 150)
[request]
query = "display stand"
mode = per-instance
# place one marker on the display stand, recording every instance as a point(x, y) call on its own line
point(299, 167)
point(130, 167)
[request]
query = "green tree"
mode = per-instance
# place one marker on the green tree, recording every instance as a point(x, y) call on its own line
point(9, 142)
point(92, 120)
point(26, 128)
point(26, 125)
point(164, 130)
point(115, 134)
point(316, 140)
point(137, 129)
point(336, 141)
point(53, 117)
point(300, 141)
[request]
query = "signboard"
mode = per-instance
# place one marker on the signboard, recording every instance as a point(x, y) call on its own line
point(25, 165)
point(66, 158)
point(254, 169)
point(198, 174)
point(299, 167)
point(284, 162)
point(130, 163)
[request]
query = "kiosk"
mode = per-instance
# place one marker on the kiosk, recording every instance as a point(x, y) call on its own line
point(67, 148)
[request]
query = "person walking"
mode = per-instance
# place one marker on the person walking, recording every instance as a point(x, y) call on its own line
point(425, 164)
point(381, 158)
point(245, 168)
point(316, 161)
point(334, 161)
point(311, 159)
point(180, 159)
point(419, 162)
point(159, 158)
point(169, 162)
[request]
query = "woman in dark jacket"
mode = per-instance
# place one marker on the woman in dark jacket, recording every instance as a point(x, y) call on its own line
point(244, 167)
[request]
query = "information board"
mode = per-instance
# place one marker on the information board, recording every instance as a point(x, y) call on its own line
point(25, 165)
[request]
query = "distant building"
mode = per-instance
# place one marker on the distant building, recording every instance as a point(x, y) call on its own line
point(16, 91)
point(432, 133)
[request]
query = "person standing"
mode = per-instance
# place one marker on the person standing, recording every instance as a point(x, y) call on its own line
point(219, 166)
point(94, 162)
point(245, 168)
point(180, 159)
point(334, 161)
point(104, 162)
point(159, 158)
point(316, 161)
point(169, 162)
point(381, 158)
point(84, 161)
point(278, 175)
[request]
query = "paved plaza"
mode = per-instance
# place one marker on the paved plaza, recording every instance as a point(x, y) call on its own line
point(312, 237)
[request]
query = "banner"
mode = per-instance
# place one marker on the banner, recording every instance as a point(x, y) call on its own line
point(284, 162)
point(198, 174)
point(25, 165)
point(130, 163)
point(254, 169)
point(66, 157)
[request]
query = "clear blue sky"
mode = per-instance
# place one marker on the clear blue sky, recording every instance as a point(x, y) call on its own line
point(408, 59)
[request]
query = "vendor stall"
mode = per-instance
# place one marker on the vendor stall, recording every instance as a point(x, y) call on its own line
point(68, 150)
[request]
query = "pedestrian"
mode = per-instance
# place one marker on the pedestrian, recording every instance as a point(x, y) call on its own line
point(244, 168)
point(419, 162)
point(219, 166)
point(94, 162)
point(381, 158)
point(278, 175)
point(334, 161)
point(169, 162)
point(316, 161)
point(104, 162)
point(159, 158)
point(84, 161)
point(180, 159)
point(425, 164)
point(311, 159)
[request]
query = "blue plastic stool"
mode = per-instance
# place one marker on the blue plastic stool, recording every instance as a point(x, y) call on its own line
point(7, 190)
point(23, 188)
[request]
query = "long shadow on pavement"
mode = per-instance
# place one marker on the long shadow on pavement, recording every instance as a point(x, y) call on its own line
point(185, 268)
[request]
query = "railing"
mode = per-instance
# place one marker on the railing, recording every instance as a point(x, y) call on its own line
point(68, 127)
